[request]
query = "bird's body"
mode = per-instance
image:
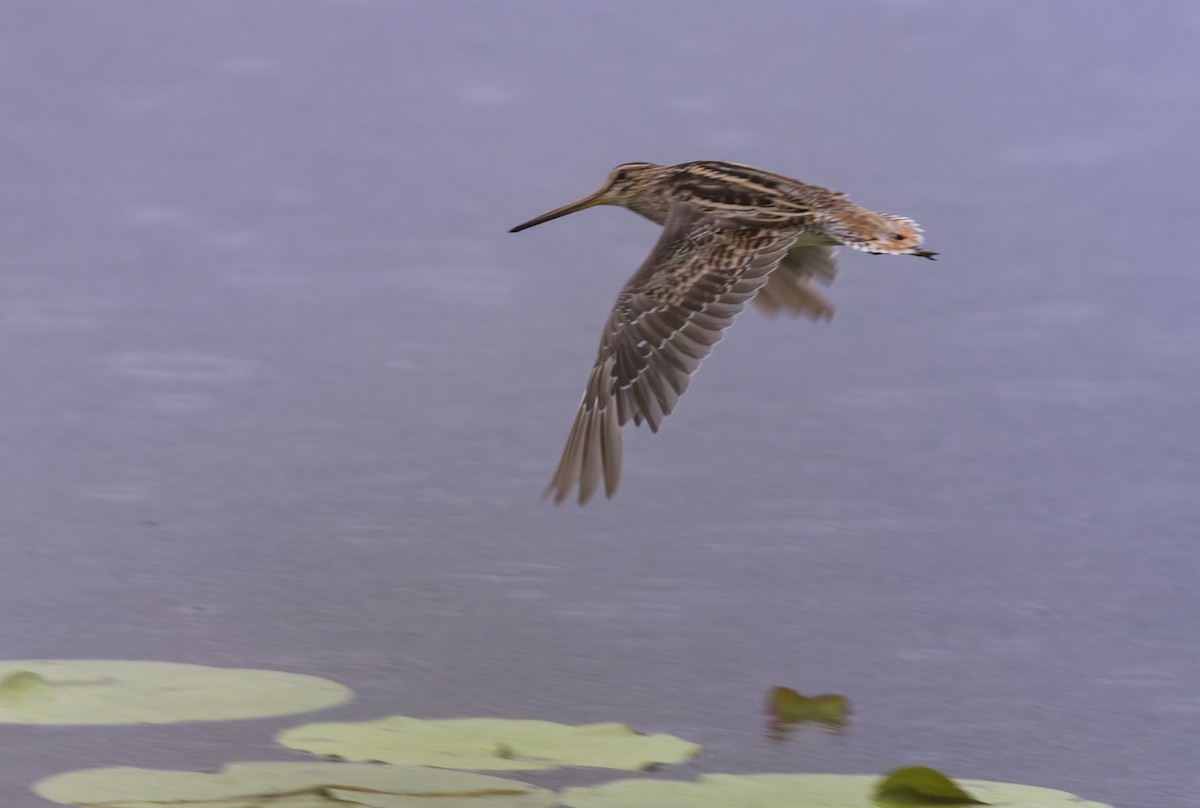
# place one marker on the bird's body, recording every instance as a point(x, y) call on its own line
point(731, 233)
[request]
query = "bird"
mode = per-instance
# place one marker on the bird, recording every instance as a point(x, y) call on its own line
point(731, 233)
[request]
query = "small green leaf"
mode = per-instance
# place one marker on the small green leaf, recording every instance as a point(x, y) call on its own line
point(24, 685)
point(921, 785)
point(488, 744)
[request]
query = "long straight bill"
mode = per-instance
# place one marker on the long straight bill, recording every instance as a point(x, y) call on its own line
point(587, 202)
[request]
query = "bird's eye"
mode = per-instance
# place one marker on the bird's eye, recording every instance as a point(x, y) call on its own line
point(622, 175)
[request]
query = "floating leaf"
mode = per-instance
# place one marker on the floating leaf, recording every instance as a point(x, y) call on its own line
point(921, 785)
point(488, 743)
point(790, 707)
point(89, 691)
point(291, 785)
point(790, 791)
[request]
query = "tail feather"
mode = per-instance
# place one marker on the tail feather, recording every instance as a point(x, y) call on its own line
point(593, 449)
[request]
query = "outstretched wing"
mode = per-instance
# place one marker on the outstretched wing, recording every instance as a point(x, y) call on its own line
point(667, 318)
point(790, 288)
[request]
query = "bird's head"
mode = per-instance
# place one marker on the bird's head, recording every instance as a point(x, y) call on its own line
point(626, 185)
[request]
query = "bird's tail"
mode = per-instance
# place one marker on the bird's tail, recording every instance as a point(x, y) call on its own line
point(593, 450)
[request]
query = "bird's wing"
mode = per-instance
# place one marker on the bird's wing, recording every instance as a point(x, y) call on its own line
point(668, 317)
point(790, 289)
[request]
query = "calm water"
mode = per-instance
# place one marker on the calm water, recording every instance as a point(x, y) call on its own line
point(281, 391)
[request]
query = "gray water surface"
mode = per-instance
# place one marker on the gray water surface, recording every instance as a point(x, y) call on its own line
point(280, 391)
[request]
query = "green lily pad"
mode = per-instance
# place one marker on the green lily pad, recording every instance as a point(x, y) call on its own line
point(290, 785)
point(490, 744)
point(91, 691)
point(921, 785)
point(792, 791)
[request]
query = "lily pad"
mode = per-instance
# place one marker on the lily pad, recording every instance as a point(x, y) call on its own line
point(921, 785)
point(490, 744)
point(793, 791)
point(290, 785)
point(91, 691)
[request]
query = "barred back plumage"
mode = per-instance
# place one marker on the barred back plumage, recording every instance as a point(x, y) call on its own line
point(731, 233)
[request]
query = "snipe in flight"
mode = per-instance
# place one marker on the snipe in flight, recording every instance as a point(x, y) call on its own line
point(731, 233)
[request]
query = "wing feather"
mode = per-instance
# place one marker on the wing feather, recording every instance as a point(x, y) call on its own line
point(668, 317)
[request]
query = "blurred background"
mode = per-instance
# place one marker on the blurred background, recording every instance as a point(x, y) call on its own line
point(280, 391)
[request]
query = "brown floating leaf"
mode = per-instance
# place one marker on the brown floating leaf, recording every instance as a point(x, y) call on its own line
point(789, 709)
point(785, 704)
